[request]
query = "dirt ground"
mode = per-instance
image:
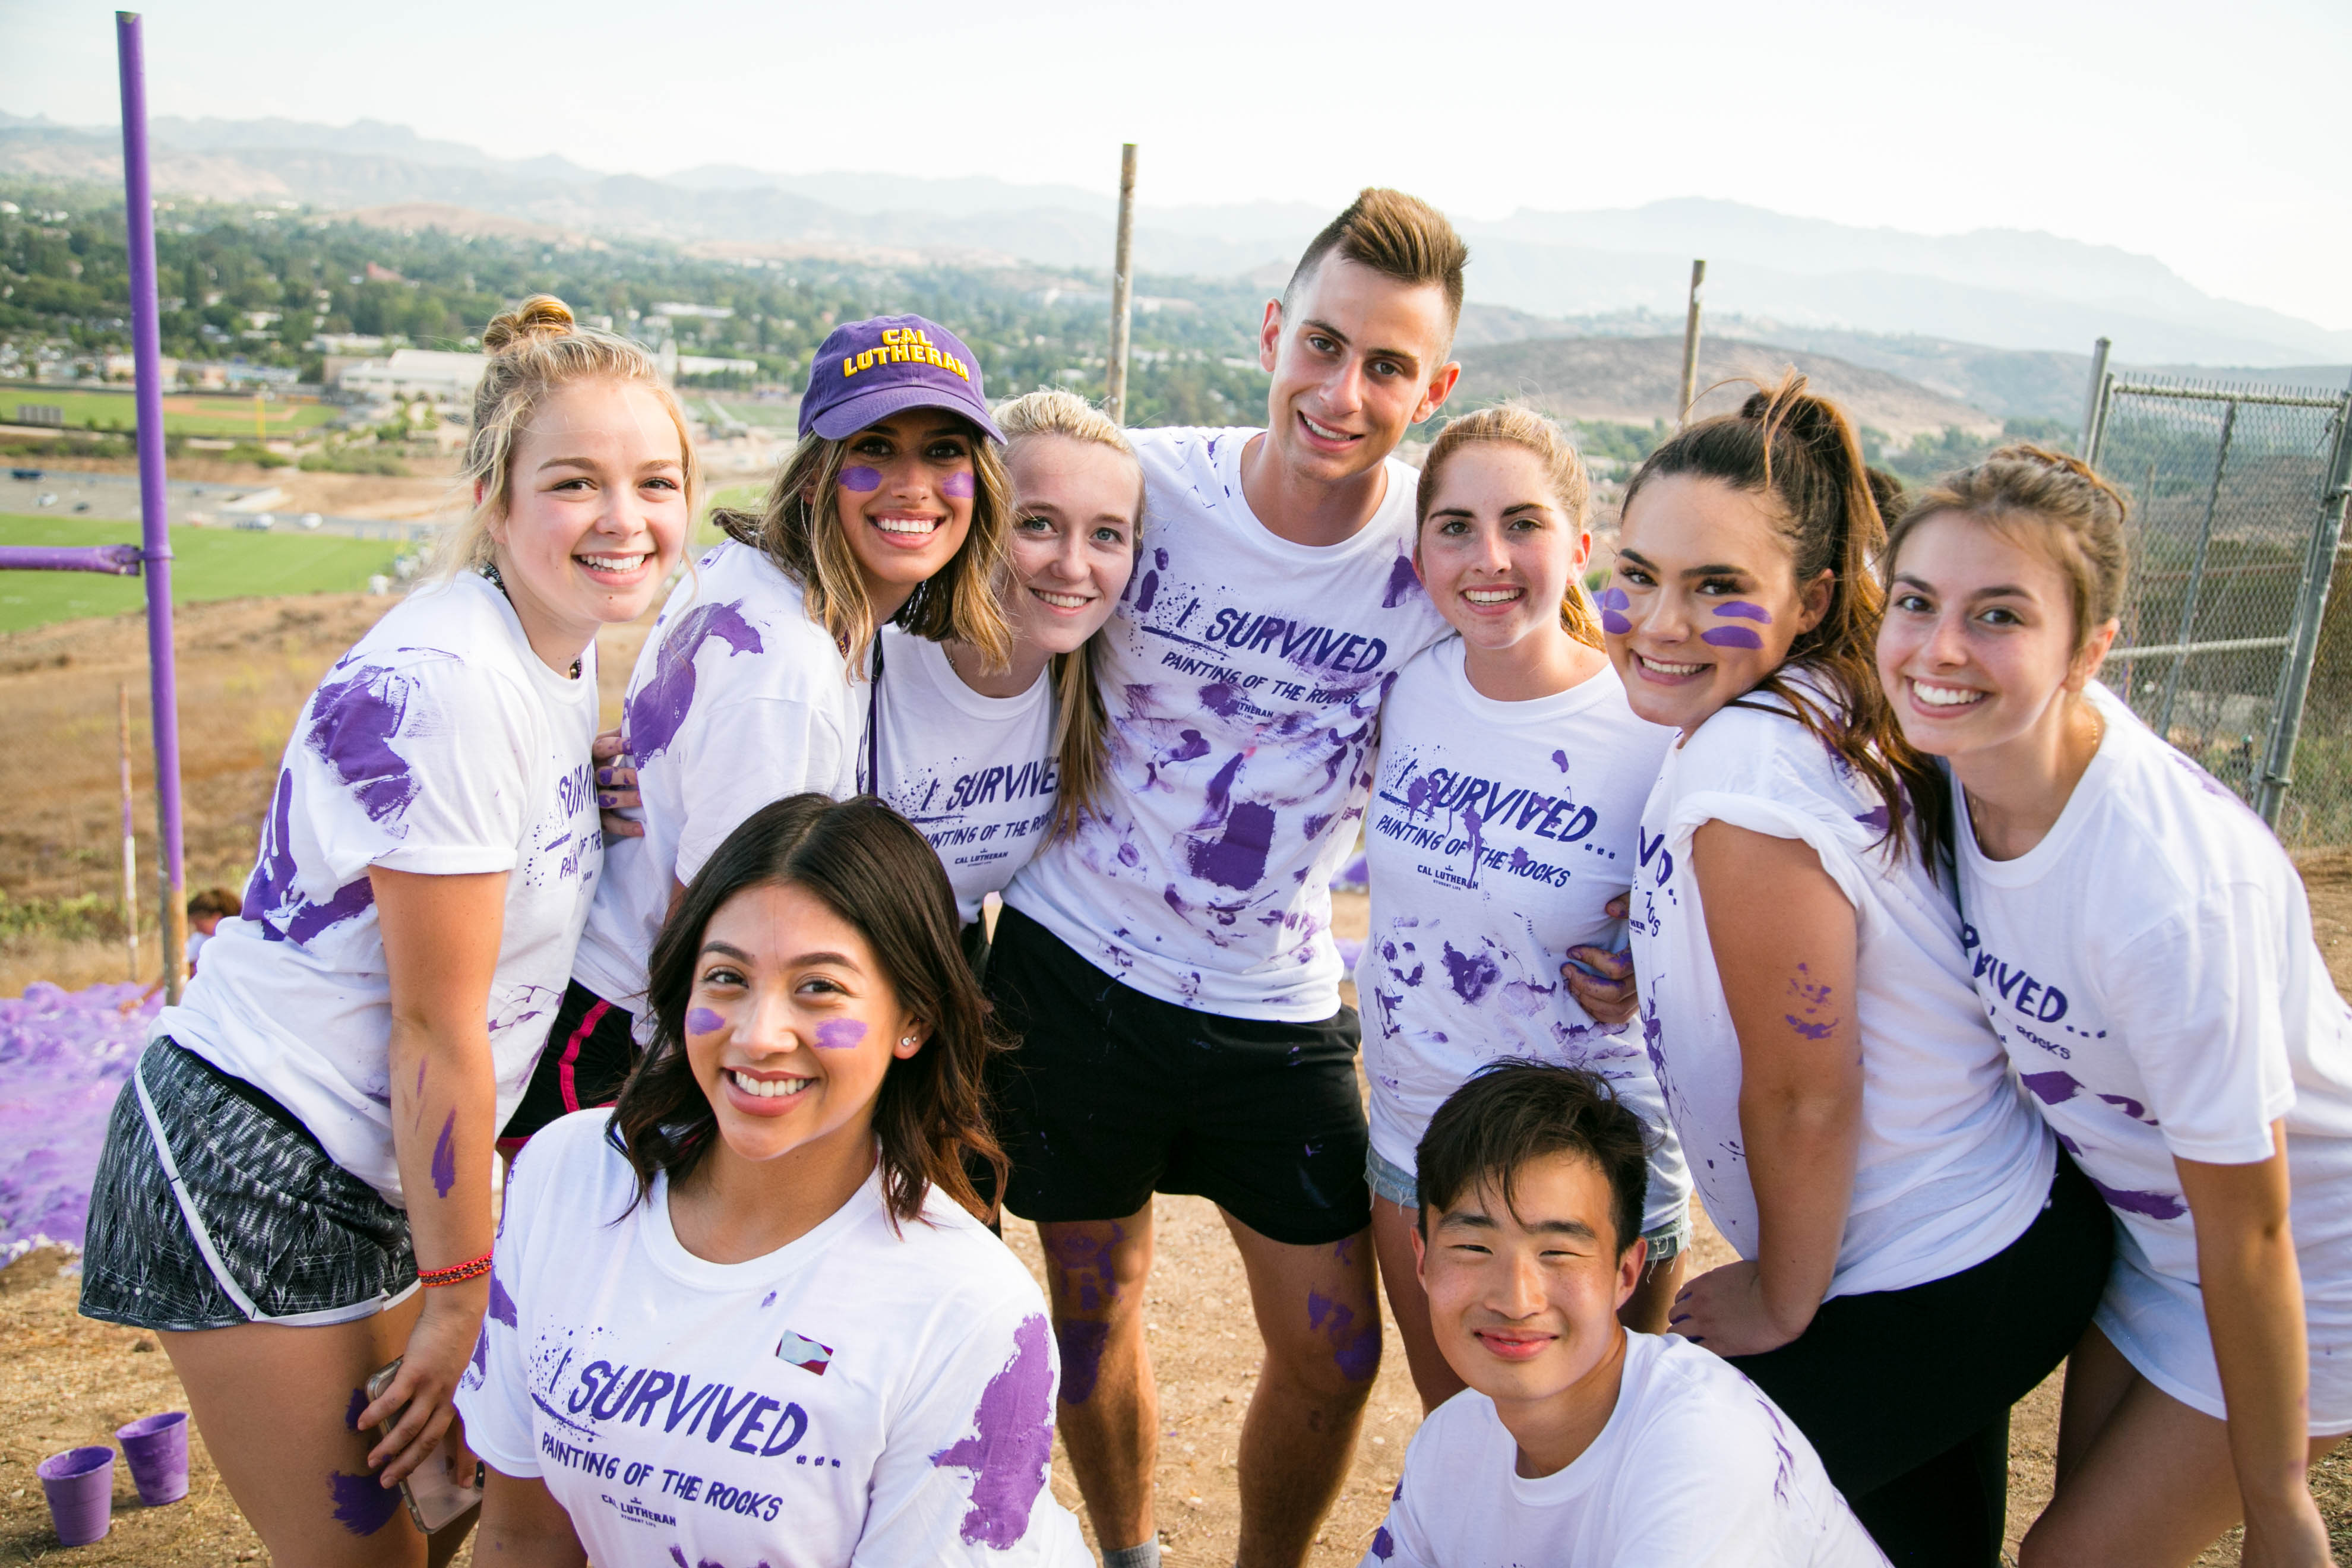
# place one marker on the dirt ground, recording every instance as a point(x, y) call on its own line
point(246, 667)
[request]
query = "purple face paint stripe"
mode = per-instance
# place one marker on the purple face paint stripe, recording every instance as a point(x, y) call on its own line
point(861, 478)
point(1741, 610)
point(839, 1033)
point(1613, 599)
point(703, 1021)
point(445, 1157)
point(1731, 637)
point(959, 486)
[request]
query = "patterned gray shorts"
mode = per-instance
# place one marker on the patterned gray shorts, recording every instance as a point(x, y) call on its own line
point(239, 1218)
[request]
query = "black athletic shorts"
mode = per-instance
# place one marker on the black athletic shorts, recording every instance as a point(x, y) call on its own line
point(1113, 1095)
point(588, 1056)
point(1906, 1394)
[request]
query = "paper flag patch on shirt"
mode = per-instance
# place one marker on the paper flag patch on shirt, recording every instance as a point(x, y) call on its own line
point(805, 1353)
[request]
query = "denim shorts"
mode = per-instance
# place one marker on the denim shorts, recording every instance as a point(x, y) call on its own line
point(1398, 1186)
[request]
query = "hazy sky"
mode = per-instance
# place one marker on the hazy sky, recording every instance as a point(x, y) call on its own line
point(2208, 136)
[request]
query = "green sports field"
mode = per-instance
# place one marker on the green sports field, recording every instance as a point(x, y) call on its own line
point(207, 563)
point(188, 414)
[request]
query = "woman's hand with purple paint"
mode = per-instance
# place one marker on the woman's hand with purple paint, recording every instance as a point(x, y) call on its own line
point(1602, 980)
point(616, 787)
point(1723, 1309)
point(421, 1400)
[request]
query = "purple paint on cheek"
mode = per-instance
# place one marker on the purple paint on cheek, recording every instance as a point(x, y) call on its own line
point(1013, 1441)
point(1615, 625)
point(1731, 637)
point(839, 1033)
point(445, 1157)
point(958, 486)
point(1741, 610)
point(861, 478)
point(1613, 599)
point(703, 1021)
point(363, 1505)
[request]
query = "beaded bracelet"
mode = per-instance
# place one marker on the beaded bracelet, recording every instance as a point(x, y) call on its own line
point(456, 1273)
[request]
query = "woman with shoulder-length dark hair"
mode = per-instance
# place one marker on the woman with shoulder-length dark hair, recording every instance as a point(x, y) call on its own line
point(748, 1313)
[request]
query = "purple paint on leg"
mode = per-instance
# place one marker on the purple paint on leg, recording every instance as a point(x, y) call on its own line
point(445, 1157)
point(1741, 610)
point(1730, 636)
point(958, 486)
point(860, 478)
point(1082, 1344)
point(2156, 1206)
point(352, 1411)
point(703, 1021)
point(363, 1505)
point(839, 1033)
point(1012, 1442)
point(656, 710)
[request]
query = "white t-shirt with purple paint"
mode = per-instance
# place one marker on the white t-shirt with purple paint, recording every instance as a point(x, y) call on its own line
point(1951, 1166)
point(1498, 834)
point(2151, 968)
point(863, 1396)
point(440, 745)
point(976, 776)
point(1242, 676)
point(738, 699)
point(1697, 1468)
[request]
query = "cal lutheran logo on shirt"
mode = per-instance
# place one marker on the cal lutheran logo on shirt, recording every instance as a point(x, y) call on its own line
point(803, 1353)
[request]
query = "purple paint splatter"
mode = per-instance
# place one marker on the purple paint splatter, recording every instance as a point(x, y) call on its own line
point(1474, 973)
point(502, 1307)
point(1403, 580)
point(1875, 819)
point(355, 719)
point(2051, 1088)
point(1356, 1351)
point(1382, 1543)
point(445, 1157)
point(1560, 760)
point(352, 1411)
point(656, 710)
point(958, 486)
point(1237, 859)
point(1741, 610)
point(2154, 1206)
point(839, 1033)
point(860, 478)
point(1012, 1442)
point(1730, 636)
point(1614, 602)
point(1082, 1343)
point(362, 1504)
point(703, 1021)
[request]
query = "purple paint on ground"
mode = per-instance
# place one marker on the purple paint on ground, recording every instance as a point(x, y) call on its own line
point(959, 486)
point(839, 1033)
point(363, 1505)
point(1014, 1441)
point(1730, 636)
point(63, 1057)
point(703, 1021)
point(657, 708)
point(445, 1157)
point(1741, 610)
point(1082, 1349)
point(860, 478)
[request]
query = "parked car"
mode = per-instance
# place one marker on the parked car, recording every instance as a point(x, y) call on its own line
point(311, 520)
point(46, 497)
point(25, 473)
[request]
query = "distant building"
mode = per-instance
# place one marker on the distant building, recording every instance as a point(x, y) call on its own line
point(701, 364)
point(705, 312)
point(435, 374)
point(123, 367)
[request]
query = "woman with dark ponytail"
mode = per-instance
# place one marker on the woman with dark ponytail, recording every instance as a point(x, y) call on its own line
point(1913, 1255)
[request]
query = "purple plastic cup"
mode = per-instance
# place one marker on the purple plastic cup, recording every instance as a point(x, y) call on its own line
point(81, 1486)
point(157, 1449)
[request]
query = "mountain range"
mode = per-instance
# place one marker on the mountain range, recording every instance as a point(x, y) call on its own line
point(1925, 306)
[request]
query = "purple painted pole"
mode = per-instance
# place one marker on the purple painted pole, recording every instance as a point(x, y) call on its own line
point(146, 350)
point(121, 560)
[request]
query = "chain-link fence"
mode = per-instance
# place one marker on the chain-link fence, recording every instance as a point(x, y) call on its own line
point(2237, 500)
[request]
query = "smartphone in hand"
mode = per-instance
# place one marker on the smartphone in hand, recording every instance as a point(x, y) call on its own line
point(436, 1497)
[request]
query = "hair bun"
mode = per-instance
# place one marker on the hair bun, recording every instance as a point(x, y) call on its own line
point(541, 316)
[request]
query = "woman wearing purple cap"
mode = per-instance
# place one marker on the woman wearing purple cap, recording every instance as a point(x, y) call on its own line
point(759, 680)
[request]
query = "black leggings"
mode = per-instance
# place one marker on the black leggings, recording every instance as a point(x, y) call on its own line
point(1906, 1394)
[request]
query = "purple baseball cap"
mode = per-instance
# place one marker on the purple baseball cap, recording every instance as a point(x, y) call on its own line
point(872, 369)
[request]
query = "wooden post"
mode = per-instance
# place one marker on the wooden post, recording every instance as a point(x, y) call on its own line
point(1123, 288)
point(129, 843)
point(1690, 348)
